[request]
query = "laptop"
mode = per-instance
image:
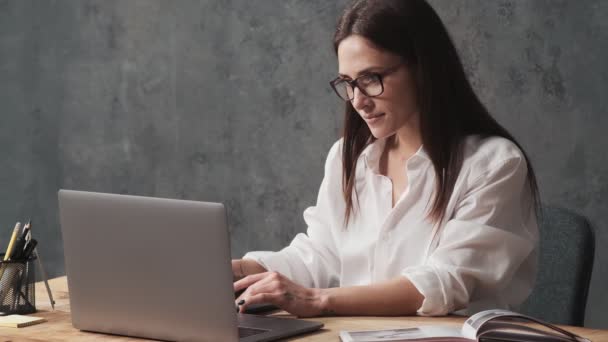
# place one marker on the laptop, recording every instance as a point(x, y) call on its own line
point(156, 268)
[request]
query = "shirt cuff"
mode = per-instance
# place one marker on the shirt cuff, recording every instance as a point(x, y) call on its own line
point(429, 284)
point(271, 261)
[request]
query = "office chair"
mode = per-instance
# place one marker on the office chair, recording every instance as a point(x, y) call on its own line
point(567, 244)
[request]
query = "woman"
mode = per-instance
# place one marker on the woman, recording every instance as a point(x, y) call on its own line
point(427, 206)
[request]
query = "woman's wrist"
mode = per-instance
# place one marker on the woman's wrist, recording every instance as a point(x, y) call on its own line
point(324, 301)
point(249, 267)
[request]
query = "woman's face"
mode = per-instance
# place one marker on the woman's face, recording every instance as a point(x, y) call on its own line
point(395, 108)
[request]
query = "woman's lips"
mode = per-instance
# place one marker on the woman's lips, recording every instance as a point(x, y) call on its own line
point(373, 118)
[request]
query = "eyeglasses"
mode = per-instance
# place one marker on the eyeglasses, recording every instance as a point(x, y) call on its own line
point(369, 84)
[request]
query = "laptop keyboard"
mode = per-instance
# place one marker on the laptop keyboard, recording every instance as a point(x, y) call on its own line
point(246, 332)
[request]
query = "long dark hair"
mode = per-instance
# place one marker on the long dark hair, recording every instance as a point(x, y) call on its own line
point(449, 108)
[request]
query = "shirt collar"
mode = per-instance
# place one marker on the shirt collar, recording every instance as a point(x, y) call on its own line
point(371, 154)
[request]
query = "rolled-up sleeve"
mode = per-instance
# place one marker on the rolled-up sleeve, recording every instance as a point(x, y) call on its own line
point(312, 259)
point(486, 245)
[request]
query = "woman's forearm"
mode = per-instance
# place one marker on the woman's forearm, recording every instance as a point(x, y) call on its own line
point(251, 267)
point(244, 267)
point(397, 297)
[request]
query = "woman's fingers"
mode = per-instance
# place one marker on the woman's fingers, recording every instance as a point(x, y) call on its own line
point(252, 279)
point(276, 289)
point(266, 285)
point(269, 282)
point(272, 288)
point(265, 297)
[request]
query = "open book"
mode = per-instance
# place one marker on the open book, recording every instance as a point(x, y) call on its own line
point(484, 326)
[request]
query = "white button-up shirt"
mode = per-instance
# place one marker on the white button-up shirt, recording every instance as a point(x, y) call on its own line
point(484, 255)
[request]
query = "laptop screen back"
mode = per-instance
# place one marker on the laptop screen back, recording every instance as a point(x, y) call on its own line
point(148, 267)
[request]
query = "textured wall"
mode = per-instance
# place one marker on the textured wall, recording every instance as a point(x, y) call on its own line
point(228, 101)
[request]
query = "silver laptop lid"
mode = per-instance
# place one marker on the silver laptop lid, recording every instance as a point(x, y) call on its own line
point(148, 267)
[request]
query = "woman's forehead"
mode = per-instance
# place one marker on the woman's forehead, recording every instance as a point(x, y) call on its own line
point(356, 54)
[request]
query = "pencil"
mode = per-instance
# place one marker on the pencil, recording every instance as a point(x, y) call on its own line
point(11, 243)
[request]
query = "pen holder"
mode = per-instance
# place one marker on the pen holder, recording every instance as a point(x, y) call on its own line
point(17, 289)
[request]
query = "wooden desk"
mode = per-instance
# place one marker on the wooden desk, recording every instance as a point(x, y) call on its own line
point(59, 325)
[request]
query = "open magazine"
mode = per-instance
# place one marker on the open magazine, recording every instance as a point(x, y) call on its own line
point(484, 326)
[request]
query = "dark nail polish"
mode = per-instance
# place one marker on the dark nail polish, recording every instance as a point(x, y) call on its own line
point(241, 302)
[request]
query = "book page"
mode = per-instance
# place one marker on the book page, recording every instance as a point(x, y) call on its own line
point(512, 326)
point(422, 333)
point(485, 326)
point(522, 334)
point(472, 325)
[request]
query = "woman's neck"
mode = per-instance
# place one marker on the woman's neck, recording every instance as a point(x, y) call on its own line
point(404, 143)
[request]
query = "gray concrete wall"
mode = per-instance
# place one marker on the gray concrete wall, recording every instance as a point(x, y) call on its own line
point(228, 101)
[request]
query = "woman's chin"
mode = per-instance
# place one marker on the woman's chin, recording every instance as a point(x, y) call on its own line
point(380, 133)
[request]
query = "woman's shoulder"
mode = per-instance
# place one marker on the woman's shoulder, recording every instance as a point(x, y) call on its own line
point(333, 162)
point(336, 149)
point(485, 153)
point(334, 156)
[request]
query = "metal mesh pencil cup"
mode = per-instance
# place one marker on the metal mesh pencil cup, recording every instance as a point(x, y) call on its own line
point(17, 291)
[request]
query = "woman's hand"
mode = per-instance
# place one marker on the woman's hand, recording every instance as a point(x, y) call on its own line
point(276, 289)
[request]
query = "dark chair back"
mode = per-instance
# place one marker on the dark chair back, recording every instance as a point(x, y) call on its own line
point(567, 244)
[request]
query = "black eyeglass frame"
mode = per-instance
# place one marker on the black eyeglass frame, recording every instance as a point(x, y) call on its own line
point(354, 83)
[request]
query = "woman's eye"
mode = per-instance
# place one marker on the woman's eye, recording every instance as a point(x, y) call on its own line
point(366, 80)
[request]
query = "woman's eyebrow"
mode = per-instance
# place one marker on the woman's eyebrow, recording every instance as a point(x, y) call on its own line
point(364, 71)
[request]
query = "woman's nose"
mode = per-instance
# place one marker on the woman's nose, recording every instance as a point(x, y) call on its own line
point(360, 100)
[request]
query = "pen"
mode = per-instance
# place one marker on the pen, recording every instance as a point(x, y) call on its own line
point(11, 243)
point(29, 233)
point(27, 254)
point(18, 248)
point(46, 283)
point(17, 255)
point(29, 247)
